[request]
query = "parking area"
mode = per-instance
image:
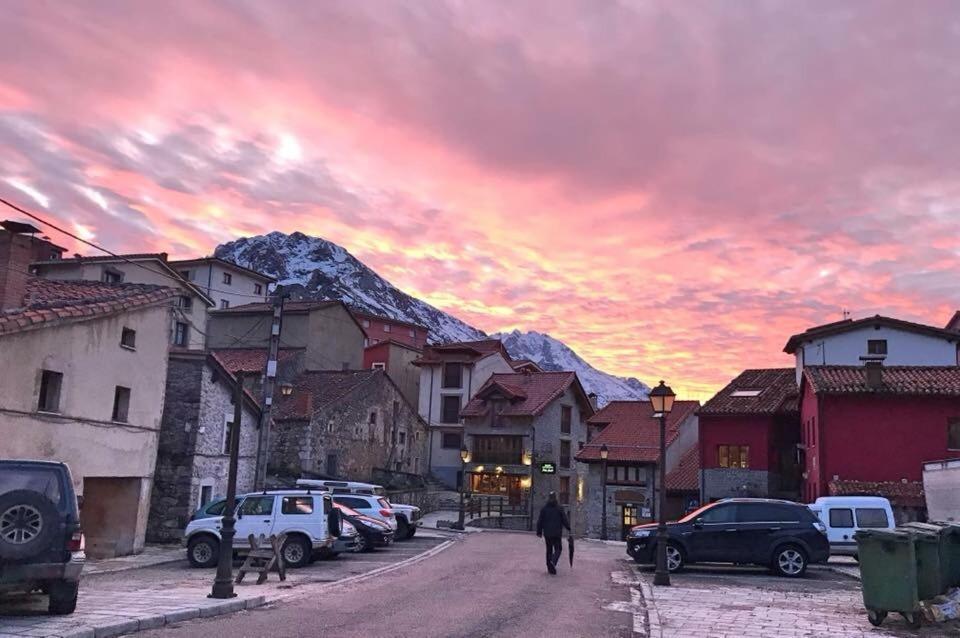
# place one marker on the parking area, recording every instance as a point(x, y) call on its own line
point(749, 602)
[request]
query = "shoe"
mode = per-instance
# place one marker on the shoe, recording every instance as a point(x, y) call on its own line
point(552, 571)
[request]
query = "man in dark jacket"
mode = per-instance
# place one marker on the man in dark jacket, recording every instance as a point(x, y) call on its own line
point(550, 526)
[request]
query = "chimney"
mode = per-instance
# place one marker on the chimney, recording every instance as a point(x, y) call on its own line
point(16, 251)
point(873, 367)
point(593, 400)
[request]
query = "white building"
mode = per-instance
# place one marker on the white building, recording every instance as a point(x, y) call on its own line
point(898, 342)
point(226, 283)
point(450, 375)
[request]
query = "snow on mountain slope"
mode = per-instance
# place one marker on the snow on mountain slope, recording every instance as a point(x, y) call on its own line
point(552, 354)
point(314, 268)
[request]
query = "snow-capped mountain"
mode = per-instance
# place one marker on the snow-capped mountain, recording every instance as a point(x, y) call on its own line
point(314, 268)
point(552, 354)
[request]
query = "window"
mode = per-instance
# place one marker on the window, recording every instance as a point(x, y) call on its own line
point(206, 493)
point(450, 409)
point(767, 513)
point(121, 404)
point(452, 375)
point(841, 518)
point(564, 494)
point(296, 505)
point(498, 450)
point(566, 416)
point(379, 365)
point(365, 323)
point(332, 464)
point(412, 333)
point(720, 514)
point(352, 502)
point(451, 441)
point(257, 506)
point(228, 279)
point(872, 517)
point(224, 304)
point(50, 384)
point(372, 419)
point(181, 334)
point(953, 433)
point(227, 433)
point(185, 274)
point(386, 327)
point(185, 303)
point(876, 346)
point(398, 466)
point(403, 438)
point(128, 338)
point(564, 453)
point(218, 508)
point(257, 289)
point(746, 393)
point(112, 276)
point(733, 456)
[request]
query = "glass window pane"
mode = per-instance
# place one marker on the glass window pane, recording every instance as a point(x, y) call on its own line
point(257, 506)
point(870, 517)
point(841, 518)
point(297, 505)
point(720, 514)
point(723, 458)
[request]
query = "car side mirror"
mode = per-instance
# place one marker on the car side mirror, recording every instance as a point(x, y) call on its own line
point(698, 523)
point(239, 513)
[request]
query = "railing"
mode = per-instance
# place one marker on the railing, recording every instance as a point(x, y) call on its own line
point(487, 505)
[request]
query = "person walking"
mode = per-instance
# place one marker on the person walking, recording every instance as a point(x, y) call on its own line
point(550, 527)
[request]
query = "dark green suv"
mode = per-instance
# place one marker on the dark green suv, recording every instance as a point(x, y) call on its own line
point(41, 544)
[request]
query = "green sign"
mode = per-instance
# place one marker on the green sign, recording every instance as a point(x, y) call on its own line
point(548, 468)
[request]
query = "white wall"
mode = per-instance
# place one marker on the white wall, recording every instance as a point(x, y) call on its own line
point(903, 349)
point(209, 278)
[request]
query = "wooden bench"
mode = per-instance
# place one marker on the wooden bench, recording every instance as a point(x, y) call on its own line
point(263, 557)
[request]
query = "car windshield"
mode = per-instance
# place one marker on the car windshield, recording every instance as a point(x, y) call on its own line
point(45, 480)
point(346, 510)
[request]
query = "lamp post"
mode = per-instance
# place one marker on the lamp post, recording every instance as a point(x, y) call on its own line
point(464, 458)
point(661, 400)
point(604, 453)
point(286, 389)
point(223, 583)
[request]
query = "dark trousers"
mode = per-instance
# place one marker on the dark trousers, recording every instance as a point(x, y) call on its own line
point(554, 550)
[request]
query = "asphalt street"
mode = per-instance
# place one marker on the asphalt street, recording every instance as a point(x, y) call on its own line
point(487, 584)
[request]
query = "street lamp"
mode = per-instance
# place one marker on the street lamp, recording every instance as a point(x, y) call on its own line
point(661, 399)
point(286, 389)
point(604, 453)
point(464, 459)
point(223, 583)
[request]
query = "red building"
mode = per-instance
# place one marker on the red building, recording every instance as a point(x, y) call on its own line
point(749, 434)
point(381, 329)
point(876, 425)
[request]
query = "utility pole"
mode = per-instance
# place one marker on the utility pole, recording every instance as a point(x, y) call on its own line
point(269, 380)
point(223, 583)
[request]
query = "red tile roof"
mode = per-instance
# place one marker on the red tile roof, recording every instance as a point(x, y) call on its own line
point(525, 364)
point(363, 314)
point(49, 302)
point(462, 352)
point(839, 327)
point(314, 390)
point(252, 359)
point(778, 394)
point(896, 380)
point(909, 494)
point(685, 477)
point(632, 435)
point(392, 342)
point(531, 392)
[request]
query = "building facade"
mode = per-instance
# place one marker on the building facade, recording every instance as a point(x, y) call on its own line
point(226, 283)
point(193, 456)
point(397, 359)
point(380, 329)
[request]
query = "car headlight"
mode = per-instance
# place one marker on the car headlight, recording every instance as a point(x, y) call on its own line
point(640, 533)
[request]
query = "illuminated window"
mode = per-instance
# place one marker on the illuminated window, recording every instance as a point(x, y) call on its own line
point(733, 456)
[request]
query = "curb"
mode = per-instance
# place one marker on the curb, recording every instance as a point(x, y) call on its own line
point(654, 629)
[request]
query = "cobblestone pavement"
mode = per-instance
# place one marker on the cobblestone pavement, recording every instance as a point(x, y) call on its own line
point(746, 602)
point(112, 604)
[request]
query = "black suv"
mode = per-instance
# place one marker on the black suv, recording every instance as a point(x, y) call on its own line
point(41, 545)
point(782, 535)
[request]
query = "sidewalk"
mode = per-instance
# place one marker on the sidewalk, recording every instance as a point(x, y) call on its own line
point(151, 555)
point(429, 521)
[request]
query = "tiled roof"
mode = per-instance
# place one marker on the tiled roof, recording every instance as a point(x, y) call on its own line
point(252, 359)
point(531, 392)
point(632, 435)
point(778, 394)
point(214, 360)
point(49, 301)
point(685, 477)
point(526, 364)
point(357, 312)
point(178, 263)
point(289, 306)
point(896, 380)
point(392, 342)
point(101, 258)
point(839, 327)
point(909, 494)
point(462, 351)
point(314, 390)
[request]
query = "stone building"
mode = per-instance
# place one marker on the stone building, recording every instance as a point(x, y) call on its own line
point(632, 436)
point(193, 457)
point(344, 424)
point(398, 360)
point(523, 431)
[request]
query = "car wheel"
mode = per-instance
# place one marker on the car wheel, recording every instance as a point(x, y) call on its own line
point(296, 551)
point(403, 528)
point(363, 545)
point(412, 532)
point(63, 597)
point(203, 551)
point(790, 561)
point(675, 558)
point(28, 523)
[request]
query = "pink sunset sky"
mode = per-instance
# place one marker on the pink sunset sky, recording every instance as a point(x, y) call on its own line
point(671, 188)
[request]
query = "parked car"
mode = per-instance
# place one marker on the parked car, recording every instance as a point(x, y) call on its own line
point(41, 544)
point(844, 515)
point(372, 532)
point(408, 517)
point(373, 506)
point(211, 509)
point(308, 518)
point(782, 535)
point(346, 543)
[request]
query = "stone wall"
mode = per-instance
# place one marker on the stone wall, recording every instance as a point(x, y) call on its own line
point(642, 496)
point(734, 482)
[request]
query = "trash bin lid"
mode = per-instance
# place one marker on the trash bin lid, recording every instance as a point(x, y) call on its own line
point(886, 535)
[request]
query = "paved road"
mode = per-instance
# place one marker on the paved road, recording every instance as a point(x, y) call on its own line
point(489, 584)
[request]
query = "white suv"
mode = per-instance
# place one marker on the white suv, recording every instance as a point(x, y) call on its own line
point(308, 518)
point(407, 517)
point(373, 506)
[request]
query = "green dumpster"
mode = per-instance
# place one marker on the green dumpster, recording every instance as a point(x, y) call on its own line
point(890, 567)
point(949, 550)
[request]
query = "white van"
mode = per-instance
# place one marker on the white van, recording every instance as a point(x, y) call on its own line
point(844, 515)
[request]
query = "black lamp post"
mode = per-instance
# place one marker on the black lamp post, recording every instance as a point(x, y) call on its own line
point(661, 399)
point(223, 583)
point(464, 458)
point(604, 453)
